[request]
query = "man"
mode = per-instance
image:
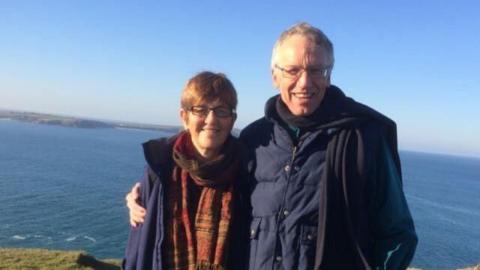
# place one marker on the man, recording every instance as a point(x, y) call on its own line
point(326, 188)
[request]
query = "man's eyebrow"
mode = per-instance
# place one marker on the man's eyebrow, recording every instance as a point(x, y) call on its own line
point(307, 67)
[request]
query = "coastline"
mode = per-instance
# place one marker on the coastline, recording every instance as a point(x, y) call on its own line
point(78, 122)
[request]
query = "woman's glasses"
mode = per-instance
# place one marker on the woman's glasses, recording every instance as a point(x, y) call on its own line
point(220, 111)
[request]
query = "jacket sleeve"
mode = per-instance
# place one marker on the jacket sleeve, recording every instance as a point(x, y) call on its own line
point(133, 242)
point(395, 237)
point(238, 246)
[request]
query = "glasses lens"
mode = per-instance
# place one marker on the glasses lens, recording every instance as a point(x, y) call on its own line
point(199, 110)
point(218, 111)
point(292, 72)
point(222, 112)
point(295, 72)
point(318, 72)
point(289, 72)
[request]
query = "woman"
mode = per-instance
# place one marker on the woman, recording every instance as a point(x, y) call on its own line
point(191, 187)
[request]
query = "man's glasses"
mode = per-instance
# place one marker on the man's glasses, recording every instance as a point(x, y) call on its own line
point(220, 111)
point(295, 72)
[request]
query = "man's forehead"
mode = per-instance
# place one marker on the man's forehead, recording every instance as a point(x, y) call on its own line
point(293, 50)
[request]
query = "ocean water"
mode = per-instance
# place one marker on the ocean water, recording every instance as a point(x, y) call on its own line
point(64, 188)
point(444, 198)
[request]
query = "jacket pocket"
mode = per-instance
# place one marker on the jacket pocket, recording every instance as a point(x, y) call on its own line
point(254, 230)
point(308, 241)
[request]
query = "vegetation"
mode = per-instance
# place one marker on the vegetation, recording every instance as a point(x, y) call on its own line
point(68, 121)
point(43, 259)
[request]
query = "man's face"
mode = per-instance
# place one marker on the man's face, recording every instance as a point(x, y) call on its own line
point(304, 92)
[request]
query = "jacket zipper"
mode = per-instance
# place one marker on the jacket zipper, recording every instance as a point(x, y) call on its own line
point(290, 165)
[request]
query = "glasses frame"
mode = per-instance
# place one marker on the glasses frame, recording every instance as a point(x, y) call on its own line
point(206, 110)
point(287, 73)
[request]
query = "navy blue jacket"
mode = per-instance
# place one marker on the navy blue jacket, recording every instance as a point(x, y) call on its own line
point(144, 246)
point(332, 198)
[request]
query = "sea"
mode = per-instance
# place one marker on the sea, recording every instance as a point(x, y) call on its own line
point(64, 188)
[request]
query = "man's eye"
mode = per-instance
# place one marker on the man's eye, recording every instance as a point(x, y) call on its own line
point(316, 71)
point(293, 71)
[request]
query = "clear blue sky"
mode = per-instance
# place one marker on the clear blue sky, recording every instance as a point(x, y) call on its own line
point(416, 61)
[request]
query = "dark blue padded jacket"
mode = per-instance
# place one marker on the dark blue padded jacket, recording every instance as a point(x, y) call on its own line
point(331, 198)
point(145, 242)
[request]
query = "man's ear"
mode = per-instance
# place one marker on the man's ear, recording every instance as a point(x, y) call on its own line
point(328, 81)
point(275, 79)
point(184, 118)
point(329, 76)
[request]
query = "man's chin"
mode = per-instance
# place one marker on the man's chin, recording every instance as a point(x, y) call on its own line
point(306, 108)
point(302, 112)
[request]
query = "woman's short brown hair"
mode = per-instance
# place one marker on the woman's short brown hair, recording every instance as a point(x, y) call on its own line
point(208, 86)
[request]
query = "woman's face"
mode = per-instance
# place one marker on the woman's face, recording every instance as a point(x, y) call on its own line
point(209, 125)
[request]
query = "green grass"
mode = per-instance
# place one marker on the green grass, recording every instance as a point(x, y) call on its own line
point(43, 259)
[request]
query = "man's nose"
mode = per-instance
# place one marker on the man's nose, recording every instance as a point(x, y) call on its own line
point(305, 79)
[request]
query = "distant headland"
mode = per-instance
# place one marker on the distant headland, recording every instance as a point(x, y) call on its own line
point(77, 122)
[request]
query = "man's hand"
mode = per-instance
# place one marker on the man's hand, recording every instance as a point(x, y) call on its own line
point(135, 210)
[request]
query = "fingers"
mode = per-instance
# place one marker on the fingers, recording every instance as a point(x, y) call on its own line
point(132, 201)
point(135, 219)
point(136, 211)
point(133, 223)
point(136, 190)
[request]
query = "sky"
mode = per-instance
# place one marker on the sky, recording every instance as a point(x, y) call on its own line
point(417, 62)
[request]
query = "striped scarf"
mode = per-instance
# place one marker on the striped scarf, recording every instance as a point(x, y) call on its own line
point(199, 207)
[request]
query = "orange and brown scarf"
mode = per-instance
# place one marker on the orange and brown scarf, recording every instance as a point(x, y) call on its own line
point(199, 207)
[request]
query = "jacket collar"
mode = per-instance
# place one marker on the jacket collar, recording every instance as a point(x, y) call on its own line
point(336, 111)
point(158, 152)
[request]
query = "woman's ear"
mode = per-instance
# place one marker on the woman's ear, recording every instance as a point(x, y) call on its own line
point(184, 118)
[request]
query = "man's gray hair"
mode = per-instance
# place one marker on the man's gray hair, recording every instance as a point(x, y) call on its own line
point(312, 33)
